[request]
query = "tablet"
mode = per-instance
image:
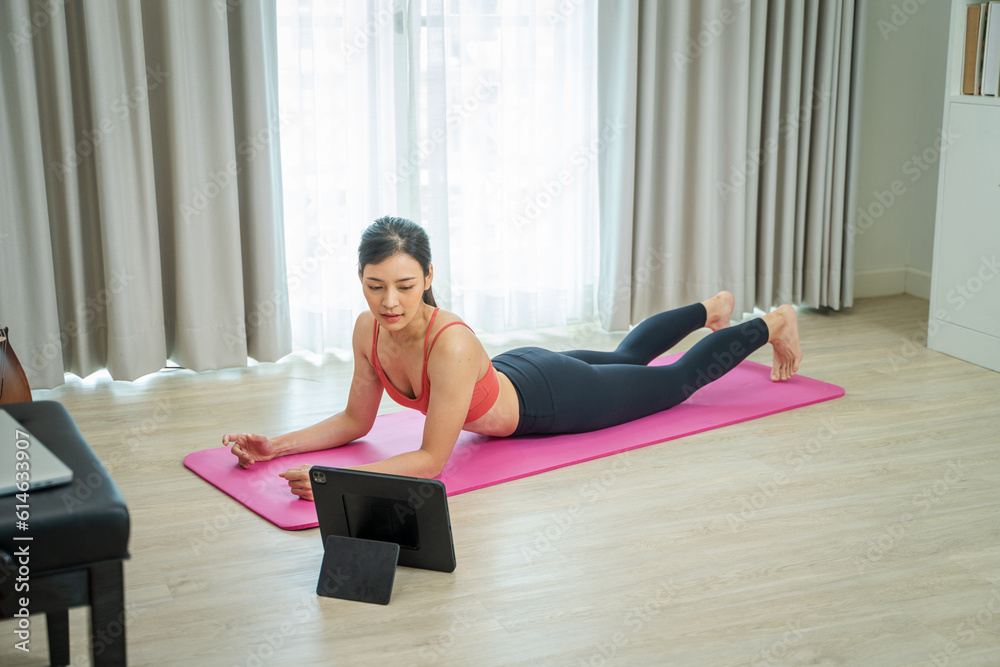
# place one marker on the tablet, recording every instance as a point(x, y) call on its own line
point(409, 511)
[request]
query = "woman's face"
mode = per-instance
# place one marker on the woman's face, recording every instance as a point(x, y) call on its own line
point(394, 289)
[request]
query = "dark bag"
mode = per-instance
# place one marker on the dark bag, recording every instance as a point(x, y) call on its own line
point(14, 386)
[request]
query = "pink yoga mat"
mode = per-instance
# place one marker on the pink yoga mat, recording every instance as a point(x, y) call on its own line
point(478, 461)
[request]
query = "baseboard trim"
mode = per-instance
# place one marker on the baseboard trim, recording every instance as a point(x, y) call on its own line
point(887, 282)
point(918, 283)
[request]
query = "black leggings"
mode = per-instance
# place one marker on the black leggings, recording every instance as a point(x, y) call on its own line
point(584, 390)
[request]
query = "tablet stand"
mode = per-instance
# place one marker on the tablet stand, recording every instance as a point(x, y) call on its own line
point(357, 569)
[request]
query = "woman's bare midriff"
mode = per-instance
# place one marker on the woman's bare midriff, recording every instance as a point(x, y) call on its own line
point(503, 417)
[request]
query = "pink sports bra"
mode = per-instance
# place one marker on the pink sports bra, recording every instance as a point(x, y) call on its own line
point(484, 396)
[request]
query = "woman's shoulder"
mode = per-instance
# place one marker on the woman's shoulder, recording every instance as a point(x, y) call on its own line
point(364, 327)
point(451, 333)
point(364, 322)
point(443, 318)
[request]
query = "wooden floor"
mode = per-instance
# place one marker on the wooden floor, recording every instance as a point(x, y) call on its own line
point(861, 531)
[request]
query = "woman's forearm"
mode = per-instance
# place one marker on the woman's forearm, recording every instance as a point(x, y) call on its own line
point(334, 431)
point(419, 463)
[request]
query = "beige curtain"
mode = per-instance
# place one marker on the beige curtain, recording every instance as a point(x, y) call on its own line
point(736, 165)
point(140, 217)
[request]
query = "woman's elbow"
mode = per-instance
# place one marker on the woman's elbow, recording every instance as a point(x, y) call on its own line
point(432, 466)
point(359, 426)
point(433, 471)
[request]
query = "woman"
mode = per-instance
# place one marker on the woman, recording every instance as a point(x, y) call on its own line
point(428, 359)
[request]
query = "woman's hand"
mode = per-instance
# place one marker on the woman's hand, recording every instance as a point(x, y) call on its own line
point(298, 481)
point(250, 448)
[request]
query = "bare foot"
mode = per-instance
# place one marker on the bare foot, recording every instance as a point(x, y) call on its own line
point(783, 327)
point(720, 310)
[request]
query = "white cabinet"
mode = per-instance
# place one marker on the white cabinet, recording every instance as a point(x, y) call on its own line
point(964, 317)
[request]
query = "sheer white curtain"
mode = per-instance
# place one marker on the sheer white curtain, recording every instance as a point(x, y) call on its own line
point(476, 119)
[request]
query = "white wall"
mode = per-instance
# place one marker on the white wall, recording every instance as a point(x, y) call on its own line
point(905, 43)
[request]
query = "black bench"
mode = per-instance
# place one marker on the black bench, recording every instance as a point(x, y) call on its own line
point(79, 539)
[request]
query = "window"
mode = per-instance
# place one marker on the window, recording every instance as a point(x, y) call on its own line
point(475, 118)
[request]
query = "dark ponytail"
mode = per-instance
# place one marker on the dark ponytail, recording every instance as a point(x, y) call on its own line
point(389, 236)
